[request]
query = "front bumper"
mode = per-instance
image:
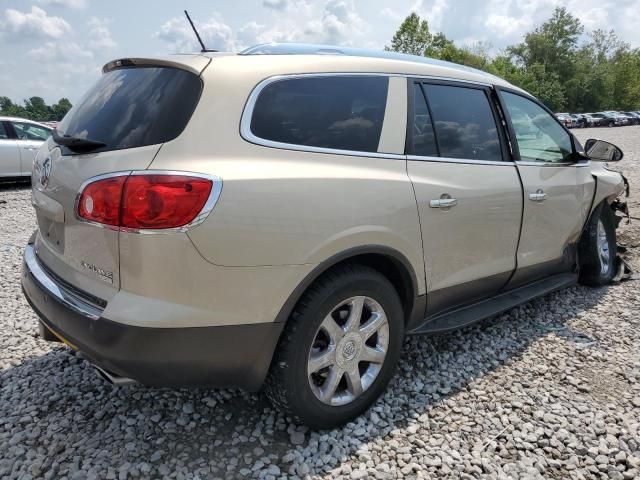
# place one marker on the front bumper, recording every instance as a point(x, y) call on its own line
point(221, 356)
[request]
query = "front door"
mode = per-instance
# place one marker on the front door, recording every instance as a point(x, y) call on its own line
point(467, 189)
point(9, 153)
point(557, 190)
point(31, 137)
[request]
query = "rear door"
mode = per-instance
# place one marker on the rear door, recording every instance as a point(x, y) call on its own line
point(9, 153)
point(557, 190)
point(467, 189)
point(132, 111)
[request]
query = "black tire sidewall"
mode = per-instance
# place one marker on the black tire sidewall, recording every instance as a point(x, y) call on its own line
point(590, 263)
point(309, 408)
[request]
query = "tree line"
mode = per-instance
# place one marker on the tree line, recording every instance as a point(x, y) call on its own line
point(35, 108)
point(556, 62)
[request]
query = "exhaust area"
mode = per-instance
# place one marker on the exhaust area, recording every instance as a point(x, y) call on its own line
point(112, 378)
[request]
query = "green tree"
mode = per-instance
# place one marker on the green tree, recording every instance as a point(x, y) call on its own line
point(412, 37)
point(60, 109)
point(555, 62)
point(35, 108)
point(553, 44)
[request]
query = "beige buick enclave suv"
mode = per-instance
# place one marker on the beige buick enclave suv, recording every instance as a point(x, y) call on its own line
point(283, 217)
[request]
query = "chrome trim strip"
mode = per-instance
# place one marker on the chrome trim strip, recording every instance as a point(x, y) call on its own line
point(214, 195)
point(501, 163)
point(247, 113)
point(552, 164)
point(47, 283)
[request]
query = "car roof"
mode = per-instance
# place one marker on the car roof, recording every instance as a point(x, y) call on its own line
point(309, 58)
point(18, 119)
point(272, 59)
point(319, 49)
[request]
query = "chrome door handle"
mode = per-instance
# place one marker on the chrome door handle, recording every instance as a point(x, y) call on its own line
point(538, 196)
point(30, 148)
point(443, 203)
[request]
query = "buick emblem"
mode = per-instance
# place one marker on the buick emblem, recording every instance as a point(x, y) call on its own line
point(45, 172)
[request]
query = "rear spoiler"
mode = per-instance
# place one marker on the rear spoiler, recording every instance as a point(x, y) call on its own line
point(191, 63)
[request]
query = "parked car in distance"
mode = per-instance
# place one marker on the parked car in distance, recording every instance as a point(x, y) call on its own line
point(593, 121)
point(608, 119)
point(567, 120)
point(582, 120)
point(20, 140)
point(280, 219)
point(634, 118)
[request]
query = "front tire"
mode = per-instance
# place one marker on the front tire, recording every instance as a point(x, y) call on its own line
point(597, 248)
point(339, 349)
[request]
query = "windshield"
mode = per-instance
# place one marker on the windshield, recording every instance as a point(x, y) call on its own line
point(134, 107)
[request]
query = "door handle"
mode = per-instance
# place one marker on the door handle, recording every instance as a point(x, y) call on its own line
point(444, 202)
point(538, 196)
point(30, 148)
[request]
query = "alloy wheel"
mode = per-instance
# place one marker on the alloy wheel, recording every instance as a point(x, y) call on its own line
point(348, 351)
point(603, 248)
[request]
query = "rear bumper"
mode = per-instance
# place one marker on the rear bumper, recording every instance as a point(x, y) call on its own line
point(222, 356)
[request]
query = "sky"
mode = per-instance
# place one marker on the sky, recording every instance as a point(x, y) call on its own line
point(56, 48)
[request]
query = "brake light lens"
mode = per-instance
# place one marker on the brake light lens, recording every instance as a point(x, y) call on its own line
point(100, 201)
point(163, 201)
point(145, 201)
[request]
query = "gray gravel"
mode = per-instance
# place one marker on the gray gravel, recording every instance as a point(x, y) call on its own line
point(548, 390)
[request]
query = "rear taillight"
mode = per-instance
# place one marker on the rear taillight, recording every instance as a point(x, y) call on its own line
point(146, 200)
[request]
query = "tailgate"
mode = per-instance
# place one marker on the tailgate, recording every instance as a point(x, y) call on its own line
point(118, 126)
point(82, 254)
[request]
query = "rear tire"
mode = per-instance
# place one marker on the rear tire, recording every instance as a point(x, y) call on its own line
point(329, 367)
point(597, 248)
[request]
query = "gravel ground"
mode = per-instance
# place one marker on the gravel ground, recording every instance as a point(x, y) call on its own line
point(550, 389)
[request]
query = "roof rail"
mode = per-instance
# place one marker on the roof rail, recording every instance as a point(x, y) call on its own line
point(318, 49)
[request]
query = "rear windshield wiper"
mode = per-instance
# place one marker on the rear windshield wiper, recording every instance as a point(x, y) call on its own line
point(76, 143)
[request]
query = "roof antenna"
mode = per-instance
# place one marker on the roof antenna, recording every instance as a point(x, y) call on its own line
point(204, 49)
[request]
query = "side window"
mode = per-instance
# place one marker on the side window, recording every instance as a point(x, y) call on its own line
point(540, 138)
point(424, 141)
point(4, 135)
point(464, 123)
point(28, 131)
point(344, 113)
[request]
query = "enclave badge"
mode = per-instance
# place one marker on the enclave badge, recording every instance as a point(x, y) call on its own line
point(45, 172)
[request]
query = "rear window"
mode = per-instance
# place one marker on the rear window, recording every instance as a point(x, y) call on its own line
point(464, 123)
point(134, 107)
point(343, 113)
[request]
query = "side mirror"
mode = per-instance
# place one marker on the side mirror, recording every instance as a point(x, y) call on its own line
point(601, 151)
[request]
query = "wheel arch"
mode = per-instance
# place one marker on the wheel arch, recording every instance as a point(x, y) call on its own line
point(386, 260)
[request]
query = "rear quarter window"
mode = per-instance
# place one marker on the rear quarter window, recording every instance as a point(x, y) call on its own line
point(134, 107)
point(333, 112)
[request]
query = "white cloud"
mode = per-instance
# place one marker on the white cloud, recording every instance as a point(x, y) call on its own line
point(180, 37)
point(54, 52)
point(504, 25)
point(100, 36)
point(391, 14)
point(434, 14)
point(35, 23)
point(331, 21)
point(275, 4)
point(75, 4)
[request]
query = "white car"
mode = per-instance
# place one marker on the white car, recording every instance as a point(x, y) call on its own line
point(20, 140)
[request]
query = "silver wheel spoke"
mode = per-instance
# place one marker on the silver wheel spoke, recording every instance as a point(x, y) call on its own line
point(373, 355)
point(354, 381)
point(320, 360)
point(373, 325)
point(355, 314)
point(328, 389)
point(332, 329)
